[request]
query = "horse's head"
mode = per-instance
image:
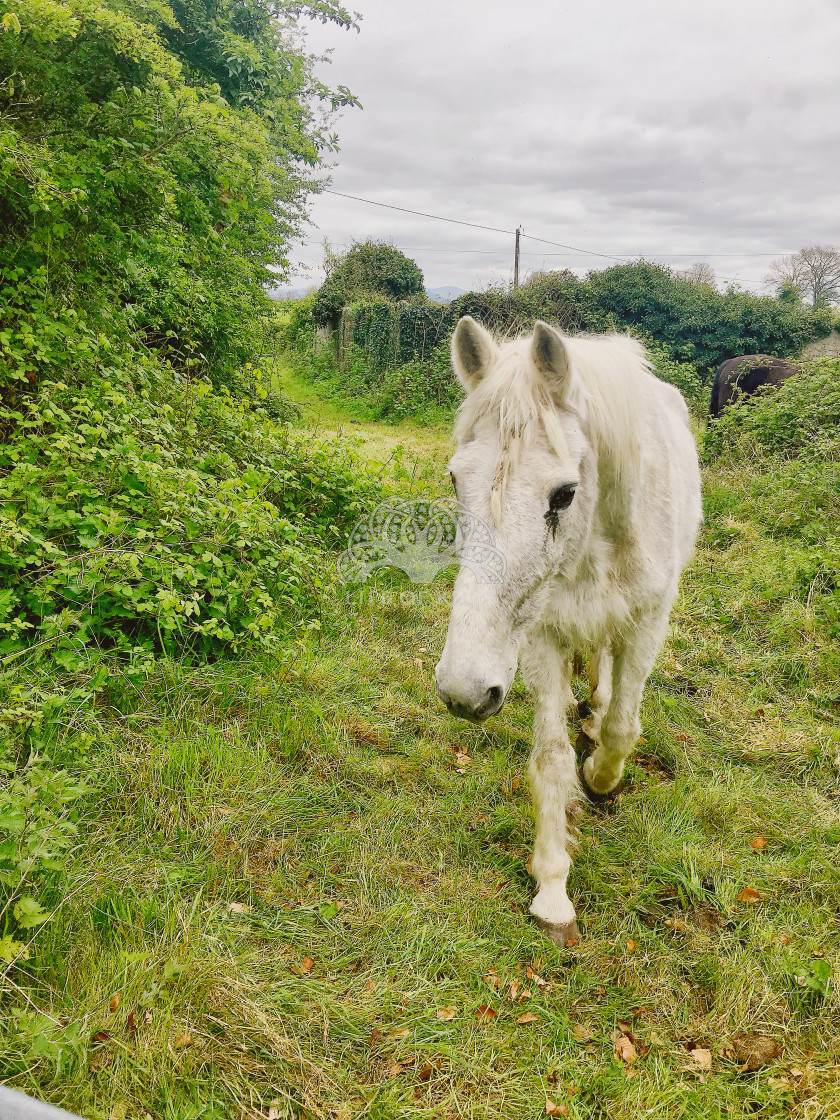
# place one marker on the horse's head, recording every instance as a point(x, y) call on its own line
point(524, 464)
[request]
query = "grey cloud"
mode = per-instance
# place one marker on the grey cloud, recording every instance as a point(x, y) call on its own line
point(706, 127)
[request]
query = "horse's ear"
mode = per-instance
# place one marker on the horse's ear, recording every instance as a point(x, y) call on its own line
point(473, 349)
point(550, 356)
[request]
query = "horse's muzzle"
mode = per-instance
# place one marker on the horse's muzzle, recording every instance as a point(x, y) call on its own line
point(476, 708)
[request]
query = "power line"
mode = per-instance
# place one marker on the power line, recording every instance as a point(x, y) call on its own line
point(530, 236)
point(419, 213)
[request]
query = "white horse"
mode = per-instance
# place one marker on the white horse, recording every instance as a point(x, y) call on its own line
point(584, 463)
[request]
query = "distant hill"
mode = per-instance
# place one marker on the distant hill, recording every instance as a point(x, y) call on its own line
point(287, 293)
point(446, 294)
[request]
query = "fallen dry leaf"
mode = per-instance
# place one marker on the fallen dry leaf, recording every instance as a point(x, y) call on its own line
point(404, 1033)
point(631, 945)
point(375, 1036)
point(528, 1017)
point(447, 1013)
point(485, 1014)
point(427, 1070)
point(394, 1070)
point(462, 758)
point(99, 1038)
point(625, 1051)
point(147, 1018)
point(115, 1001)
point(239, 908)
point(707, 919)
point(306, 965)
point(552, 1109)
point(275, 1109)
point(131, 1025)
point(682, 738)
point(370, 985)
point(756, 1050)
point(183, 1040)
point(749, 895)
point(758, 843)
point(514, 990)
point(523, 995)
point(493, 980)
point(532, 975)
point(582, 1034)
point(702, 1058)
point(514, 785)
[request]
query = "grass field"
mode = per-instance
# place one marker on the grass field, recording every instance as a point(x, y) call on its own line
point(300, 888)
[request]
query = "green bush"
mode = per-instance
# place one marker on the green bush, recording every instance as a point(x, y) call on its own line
point(696, 324)
point(800, 418)
point(143, 511)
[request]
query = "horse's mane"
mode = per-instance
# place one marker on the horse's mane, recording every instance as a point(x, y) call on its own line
point(611, 375)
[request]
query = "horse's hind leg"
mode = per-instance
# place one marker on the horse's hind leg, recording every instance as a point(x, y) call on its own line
point(599, 672)
point(620, 727)
point(552, 778)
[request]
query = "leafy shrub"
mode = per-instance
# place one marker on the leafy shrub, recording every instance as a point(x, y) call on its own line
point(143, 511)
point(696, 324)
point(38, 825)
point(560, 298)
point(423, 389)
point(801, 417)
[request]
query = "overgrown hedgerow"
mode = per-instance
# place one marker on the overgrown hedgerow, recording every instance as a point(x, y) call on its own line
point(145, 512)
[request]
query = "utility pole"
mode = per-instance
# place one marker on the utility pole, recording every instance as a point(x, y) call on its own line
point(516, 261)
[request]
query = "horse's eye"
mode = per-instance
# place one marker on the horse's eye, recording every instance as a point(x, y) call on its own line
point(561, 497)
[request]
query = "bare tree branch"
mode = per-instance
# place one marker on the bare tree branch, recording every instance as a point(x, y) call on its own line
point(814, 272)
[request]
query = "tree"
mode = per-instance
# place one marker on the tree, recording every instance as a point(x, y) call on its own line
point(378, 267)
point(701, 272)
point(368, 268)
point(155, 163)
point(813, 272)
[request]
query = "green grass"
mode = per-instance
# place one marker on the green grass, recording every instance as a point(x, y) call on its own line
point(293, 894)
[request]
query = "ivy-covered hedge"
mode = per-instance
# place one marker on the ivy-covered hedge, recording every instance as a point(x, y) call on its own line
point(689, 323)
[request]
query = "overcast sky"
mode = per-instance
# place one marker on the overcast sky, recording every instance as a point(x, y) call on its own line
point(696, 130)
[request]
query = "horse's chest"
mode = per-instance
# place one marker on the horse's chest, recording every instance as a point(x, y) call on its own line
point(587, 612)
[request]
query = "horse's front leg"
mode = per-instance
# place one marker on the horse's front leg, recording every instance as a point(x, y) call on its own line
point(552, 776)
point(620, 727)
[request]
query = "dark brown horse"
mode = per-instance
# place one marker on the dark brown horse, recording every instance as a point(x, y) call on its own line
point(742, 376)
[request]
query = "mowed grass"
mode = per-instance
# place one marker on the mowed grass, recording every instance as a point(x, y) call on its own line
point(301, 887)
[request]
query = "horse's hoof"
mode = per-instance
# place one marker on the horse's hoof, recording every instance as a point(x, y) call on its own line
point(583, 709)
point(600, 798)
point(561, 933)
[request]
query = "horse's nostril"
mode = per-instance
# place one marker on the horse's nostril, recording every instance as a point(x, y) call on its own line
point(494, 698)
